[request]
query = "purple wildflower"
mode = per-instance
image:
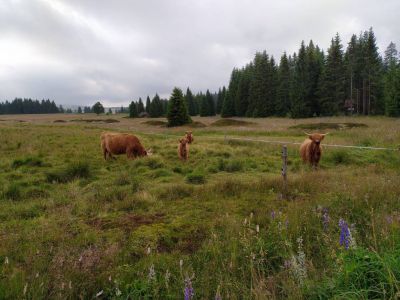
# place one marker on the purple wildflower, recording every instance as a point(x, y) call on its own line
point(273, 215)
point(287, 264)
point(389, 219)
point(345, 235)
point(188, 292)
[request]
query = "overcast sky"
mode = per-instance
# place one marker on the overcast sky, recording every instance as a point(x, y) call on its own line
point(81, 51)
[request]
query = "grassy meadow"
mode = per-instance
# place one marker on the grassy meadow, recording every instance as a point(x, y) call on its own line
point(219, 226)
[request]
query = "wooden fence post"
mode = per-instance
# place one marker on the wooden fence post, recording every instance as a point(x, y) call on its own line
point(284, 170)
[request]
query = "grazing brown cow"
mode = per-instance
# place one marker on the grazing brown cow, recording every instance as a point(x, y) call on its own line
point(183, 149)
point(120, 143)
point(189, 136)
point(311, 150)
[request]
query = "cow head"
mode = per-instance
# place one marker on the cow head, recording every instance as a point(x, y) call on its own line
point(189, 136)
point(183, 141)
point(149, 152)
point(316, 137)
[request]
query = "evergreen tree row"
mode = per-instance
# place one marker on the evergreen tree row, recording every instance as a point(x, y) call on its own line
point(154, 108)
point(312, 83)
point(28, 106)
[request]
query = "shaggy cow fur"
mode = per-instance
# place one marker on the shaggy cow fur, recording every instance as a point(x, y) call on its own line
point(311, 150)
point(183, 149)
point(121, 143)
point(189, 136)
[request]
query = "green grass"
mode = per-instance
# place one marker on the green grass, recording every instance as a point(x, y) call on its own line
point(72, 224)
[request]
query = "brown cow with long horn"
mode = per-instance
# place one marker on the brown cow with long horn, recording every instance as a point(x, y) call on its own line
point(311, 150)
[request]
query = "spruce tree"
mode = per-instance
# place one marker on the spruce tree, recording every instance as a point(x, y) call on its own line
point(392, 82)
point(204, 109)
point(133, 111)
point(373, 73)
point(190, 102)
point(156, 108)
point(301, 106)
point(260, 99)
point(243, 90)
point(228, 106)
point(332, 83)
point(282, 106)
point(351, 71)
point(314, 68)
point(140, 106)
point(220, 99)
point(177, 111)
point(79, 110)
point(391, 56)
point(148, 104)
point(210, 104)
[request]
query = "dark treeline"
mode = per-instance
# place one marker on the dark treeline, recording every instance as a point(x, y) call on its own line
point(203, 104)
point(313, 83)
point(29, 106)
point(154, 108)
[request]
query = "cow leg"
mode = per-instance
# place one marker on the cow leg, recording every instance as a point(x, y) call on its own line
point(105, 154)
point(130, 154)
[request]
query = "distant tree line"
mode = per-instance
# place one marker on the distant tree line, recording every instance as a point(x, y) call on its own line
point(29, 106)
point(313, 83)
point(154, 108)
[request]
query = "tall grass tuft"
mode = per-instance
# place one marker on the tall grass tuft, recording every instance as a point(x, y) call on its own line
point(31, 161)
point(76, 170)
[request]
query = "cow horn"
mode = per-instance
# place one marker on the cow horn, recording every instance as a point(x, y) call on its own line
point(325, 133)
point(307, 133)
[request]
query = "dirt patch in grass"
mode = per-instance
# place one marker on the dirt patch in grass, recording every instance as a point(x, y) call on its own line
point(155, 123)
point(232, 122)
point(323, 126)
point(95, 120)
point(59, 121)
point(126, 222)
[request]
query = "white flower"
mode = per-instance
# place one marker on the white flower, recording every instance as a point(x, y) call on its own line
point(258, 228)
point(152, 273)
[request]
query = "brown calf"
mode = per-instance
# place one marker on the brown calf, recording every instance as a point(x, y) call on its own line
point(183, 149)
point(189, 136)
point(311, 150)
point(121, 143)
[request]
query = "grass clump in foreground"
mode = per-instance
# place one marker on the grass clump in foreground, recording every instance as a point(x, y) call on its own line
point(76, 170)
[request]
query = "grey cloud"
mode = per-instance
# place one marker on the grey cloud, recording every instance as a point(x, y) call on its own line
point(80, 51)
